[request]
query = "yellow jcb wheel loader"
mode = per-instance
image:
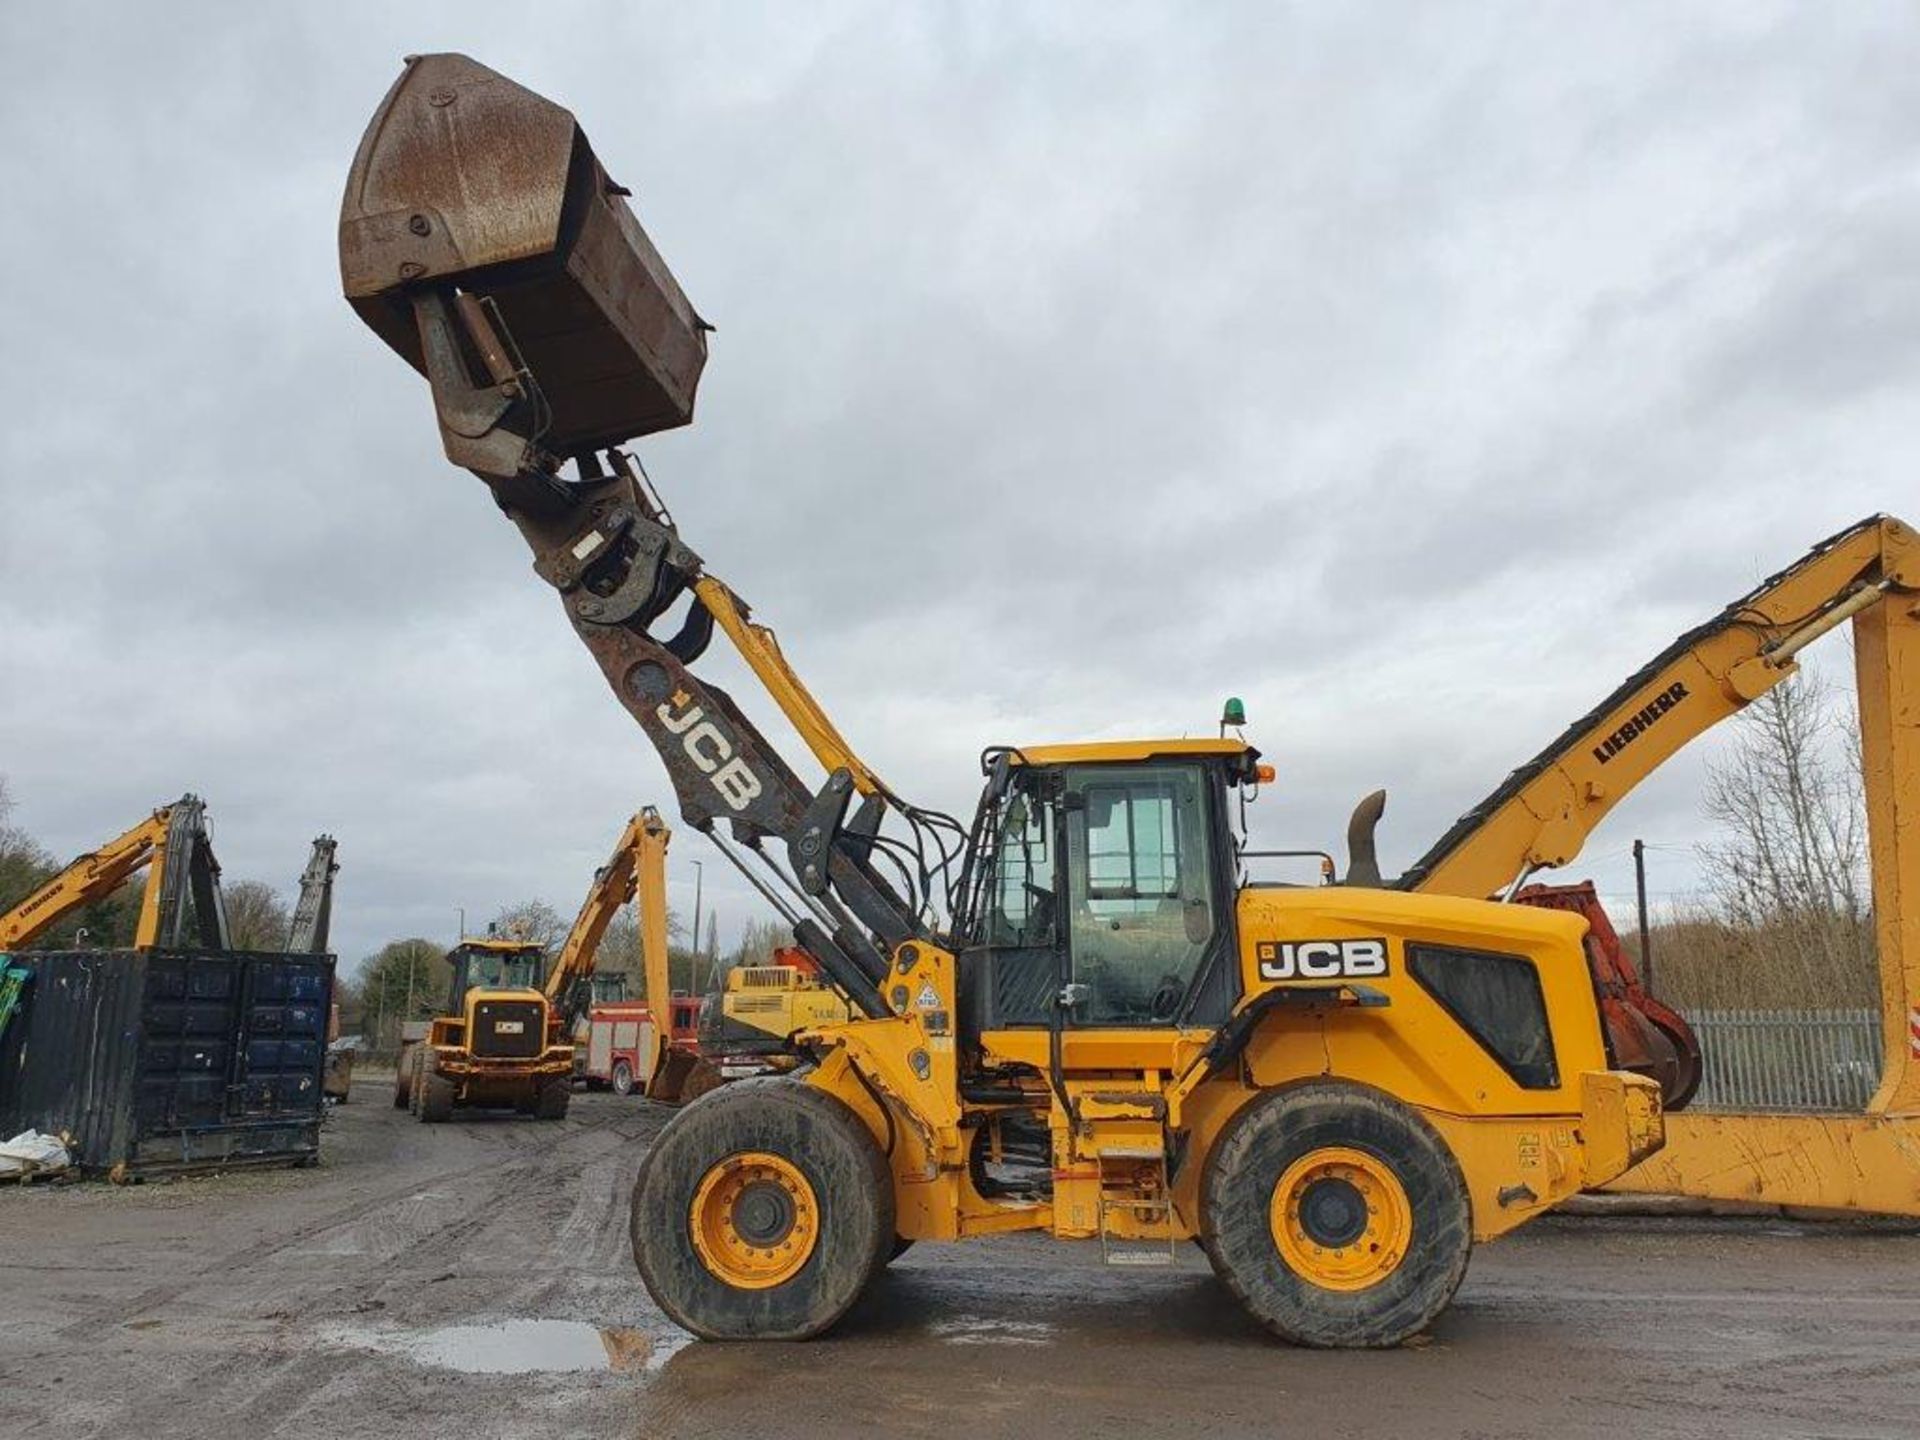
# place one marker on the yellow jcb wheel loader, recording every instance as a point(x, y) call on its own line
point(1080, 1014)
point(492, 1047)
point(506, 1039)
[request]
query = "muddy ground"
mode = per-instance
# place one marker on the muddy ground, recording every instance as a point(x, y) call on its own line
point(457, 1280)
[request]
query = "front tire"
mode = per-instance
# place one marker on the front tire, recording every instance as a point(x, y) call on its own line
point(761, 1212)
point(436, 1097)
point(622, 1078)
point(553, 1100)
point(1337, 1215)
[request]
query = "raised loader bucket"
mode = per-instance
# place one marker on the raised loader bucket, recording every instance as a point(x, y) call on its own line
point(465, 180)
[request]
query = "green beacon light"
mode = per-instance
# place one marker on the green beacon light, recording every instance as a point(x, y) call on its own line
point(1235, 714)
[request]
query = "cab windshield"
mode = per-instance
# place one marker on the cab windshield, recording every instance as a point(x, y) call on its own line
point(495, 969)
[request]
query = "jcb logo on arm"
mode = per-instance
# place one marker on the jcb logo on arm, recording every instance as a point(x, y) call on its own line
point(710, 749)
point(1321, 959)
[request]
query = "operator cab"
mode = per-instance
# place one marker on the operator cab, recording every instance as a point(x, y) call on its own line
point(492, 964)
point(1107, 881)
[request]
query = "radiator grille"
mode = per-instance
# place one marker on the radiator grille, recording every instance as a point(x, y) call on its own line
point(509, 1029)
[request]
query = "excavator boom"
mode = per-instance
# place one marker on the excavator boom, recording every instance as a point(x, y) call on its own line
point(183, 880)
point(312, 923)
point(642, 844)
point(1542, 813)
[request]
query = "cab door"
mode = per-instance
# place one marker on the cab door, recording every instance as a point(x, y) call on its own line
point(1143, 910)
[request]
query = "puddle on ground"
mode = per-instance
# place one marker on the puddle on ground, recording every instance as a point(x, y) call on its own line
point(979, 1330)
point(519, 1347)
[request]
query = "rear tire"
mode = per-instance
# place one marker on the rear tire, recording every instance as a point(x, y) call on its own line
point(553, 1099)
point(1337, 1215)
point(761, 1212)
point(436, 1098)
point(622, 1078)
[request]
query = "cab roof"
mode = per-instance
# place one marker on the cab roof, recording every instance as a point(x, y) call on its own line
point(497, 945)
point(1105, 751)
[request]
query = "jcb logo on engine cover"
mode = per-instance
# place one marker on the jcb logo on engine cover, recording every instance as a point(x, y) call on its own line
point(710, 749)
point(1321, 959)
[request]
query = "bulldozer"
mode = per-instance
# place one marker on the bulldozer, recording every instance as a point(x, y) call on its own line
point(505, 1038)
point(1082, 1013)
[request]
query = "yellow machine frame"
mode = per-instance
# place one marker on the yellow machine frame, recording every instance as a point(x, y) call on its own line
point(446, 251)
point(1868, 574)
point(1523, 1151)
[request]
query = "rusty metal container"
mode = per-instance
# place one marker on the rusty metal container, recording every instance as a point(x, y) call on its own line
point(466, 179)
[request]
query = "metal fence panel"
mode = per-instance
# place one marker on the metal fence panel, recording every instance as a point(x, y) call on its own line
point(1805, 1060)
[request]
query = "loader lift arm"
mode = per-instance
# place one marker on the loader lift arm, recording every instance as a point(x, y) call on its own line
point(182, 878)
point(550, 333)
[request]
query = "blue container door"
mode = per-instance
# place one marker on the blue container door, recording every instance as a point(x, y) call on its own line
point(188, 1043)
point(285, 1038)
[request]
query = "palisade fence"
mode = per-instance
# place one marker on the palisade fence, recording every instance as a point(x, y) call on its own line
point(1813, 1060)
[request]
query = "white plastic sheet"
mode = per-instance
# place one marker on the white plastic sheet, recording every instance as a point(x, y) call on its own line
point(30, 1150)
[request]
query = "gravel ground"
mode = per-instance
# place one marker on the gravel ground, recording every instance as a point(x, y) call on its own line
point(473, 1279)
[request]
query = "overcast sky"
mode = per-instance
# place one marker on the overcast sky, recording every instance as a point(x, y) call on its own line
point(1414, 372)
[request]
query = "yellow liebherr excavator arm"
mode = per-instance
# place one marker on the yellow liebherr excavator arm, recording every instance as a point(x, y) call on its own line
point(637, 866)
point(156, 842)
point(1541, 817)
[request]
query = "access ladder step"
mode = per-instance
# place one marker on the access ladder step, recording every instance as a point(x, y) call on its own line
point(1141, 1259)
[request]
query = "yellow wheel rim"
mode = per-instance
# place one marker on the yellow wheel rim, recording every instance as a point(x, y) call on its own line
point(754, 1220)
point(1341, 1218)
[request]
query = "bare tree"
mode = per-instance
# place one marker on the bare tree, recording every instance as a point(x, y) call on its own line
point(257, 918)
point(758, 940)
point(1790, 899)
point(25, 864)
point(533, 920)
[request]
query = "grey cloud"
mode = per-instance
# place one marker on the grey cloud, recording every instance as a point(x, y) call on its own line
point(1413, 373)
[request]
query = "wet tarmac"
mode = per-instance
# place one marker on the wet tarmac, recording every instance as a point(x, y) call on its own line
point(473, 1279)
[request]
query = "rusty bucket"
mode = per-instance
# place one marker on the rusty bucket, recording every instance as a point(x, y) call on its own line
point(467, 182)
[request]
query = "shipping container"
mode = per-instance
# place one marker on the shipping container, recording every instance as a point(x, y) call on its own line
point(169, 1060)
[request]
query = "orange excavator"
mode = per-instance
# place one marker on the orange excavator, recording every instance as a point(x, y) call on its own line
point(181, 900)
